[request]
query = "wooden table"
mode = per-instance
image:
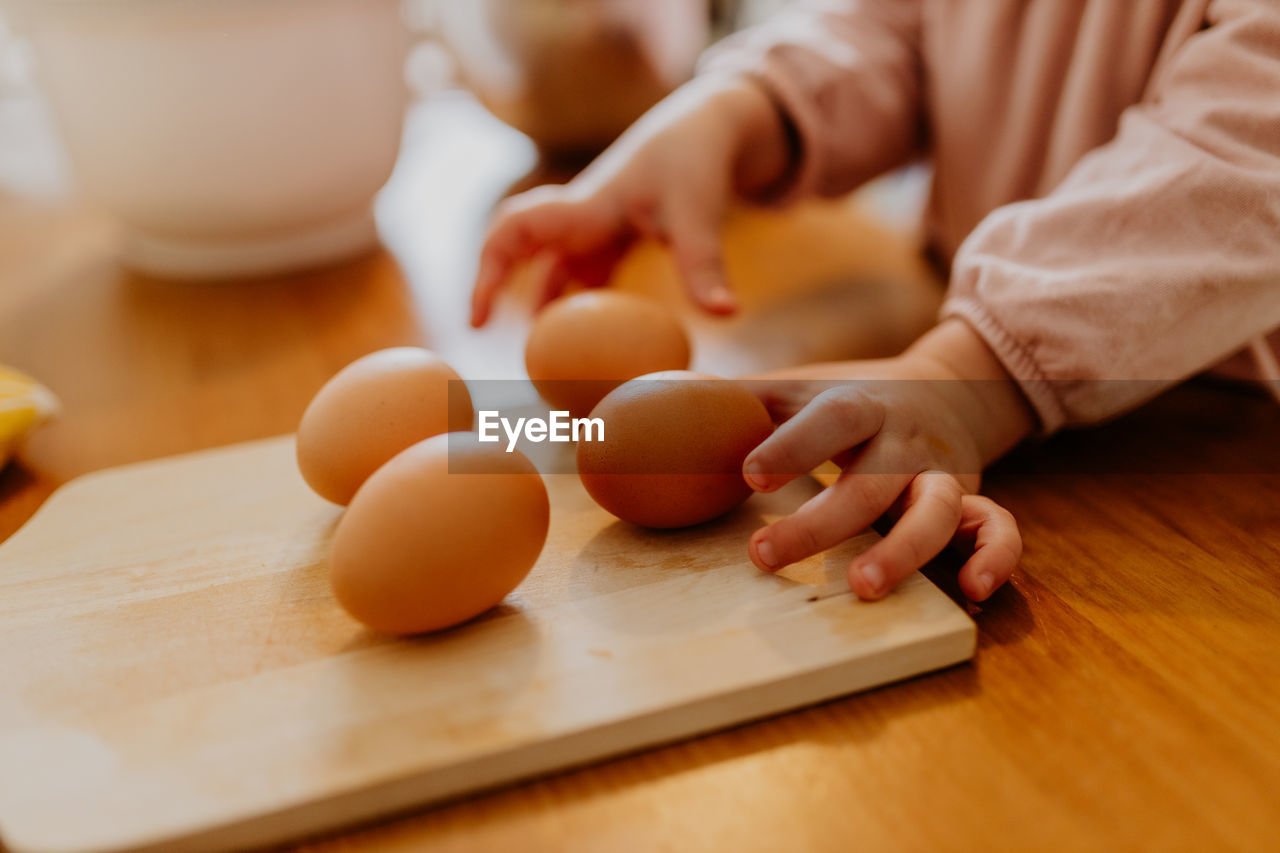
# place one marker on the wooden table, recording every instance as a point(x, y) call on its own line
point(1126, 691)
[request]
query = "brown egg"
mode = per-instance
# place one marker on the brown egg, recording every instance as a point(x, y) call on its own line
point(372, 409)
point(585, 345)
point(439, 534)
point(673, 448)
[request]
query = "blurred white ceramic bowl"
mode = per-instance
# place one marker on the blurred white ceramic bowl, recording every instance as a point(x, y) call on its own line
point(231, 137)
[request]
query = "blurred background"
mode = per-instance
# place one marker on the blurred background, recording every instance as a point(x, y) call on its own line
point(207, 208)
point(245, 138)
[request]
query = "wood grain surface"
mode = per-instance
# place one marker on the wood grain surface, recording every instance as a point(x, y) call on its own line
point(1126, 687)
point(177, 667)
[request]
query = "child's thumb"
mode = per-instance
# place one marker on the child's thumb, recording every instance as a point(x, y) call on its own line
point(695, 246)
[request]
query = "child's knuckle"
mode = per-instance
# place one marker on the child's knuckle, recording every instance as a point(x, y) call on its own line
point(947, 493)
point(800, 537)
point(844, 406)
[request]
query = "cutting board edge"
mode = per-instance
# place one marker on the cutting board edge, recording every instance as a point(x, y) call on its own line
point(367, 805)
point(71, 490)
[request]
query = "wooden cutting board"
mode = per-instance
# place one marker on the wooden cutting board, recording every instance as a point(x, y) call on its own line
point(176, 676)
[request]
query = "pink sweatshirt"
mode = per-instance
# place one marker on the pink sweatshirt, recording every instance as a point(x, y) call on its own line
point(1107, 172)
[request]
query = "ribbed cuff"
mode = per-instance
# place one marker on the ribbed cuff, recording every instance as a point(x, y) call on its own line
point(1040, 392)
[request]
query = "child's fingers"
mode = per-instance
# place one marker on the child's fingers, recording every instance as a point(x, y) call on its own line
point(834, 421)
point(554, 280)
point(932, 512)
point(595, 269)
point(517, 233)
point(525, 225)
point(846, 508)
point(783, 395)
point(997, 546)
point(495, 266)
point(694, 238)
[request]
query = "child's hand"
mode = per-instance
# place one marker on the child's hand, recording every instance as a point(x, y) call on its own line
point(669, 177)
point(912, 438)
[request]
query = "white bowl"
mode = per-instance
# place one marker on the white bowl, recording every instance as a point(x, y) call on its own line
point(231, 137)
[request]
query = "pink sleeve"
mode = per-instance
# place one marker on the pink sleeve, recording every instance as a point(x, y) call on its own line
point(1159, 254)
point(847, 76)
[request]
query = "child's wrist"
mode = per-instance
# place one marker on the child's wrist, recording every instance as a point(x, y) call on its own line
point(988, 399)
point(766, 148)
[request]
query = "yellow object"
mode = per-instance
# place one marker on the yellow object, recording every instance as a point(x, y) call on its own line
point(24, 404)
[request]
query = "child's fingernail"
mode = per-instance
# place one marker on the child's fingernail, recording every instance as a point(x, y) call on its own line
point(986, 583)
point(754, 474)
point(721, 296)
point(873, 576)
point(765, 554)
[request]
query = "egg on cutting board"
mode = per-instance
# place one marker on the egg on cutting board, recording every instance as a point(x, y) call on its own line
point(673, 448)
point(371, 410)
point(584, 345)
point(439, 534)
